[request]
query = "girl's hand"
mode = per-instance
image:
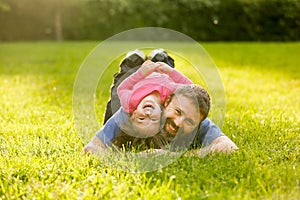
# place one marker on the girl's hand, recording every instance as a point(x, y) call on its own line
point(148, 67)
point(164, 68)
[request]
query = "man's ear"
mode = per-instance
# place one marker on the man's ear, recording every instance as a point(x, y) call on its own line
point(201, 118)
point(167, 101)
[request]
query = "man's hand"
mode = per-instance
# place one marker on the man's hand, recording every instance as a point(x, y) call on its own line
point(221, 144)
point(95, 146)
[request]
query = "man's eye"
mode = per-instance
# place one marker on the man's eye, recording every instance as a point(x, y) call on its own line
point(190, 122)
point(178, 112)
point(154, 119)
point(141, 118)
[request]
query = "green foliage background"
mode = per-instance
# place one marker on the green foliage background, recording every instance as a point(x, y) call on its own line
point(245, 20)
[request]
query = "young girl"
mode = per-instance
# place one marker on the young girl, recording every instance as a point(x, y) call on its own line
point(142, 94)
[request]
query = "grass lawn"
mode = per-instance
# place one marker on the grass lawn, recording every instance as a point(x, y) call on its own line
point(40, 147)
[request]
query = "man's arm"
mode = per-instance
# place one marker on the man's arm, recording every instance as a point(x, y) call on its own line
point(212, 140)
point(107, 133)
point(221, 144)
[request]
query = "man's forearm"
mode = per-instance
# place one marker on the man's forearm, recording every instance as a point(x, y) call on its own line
point(221, 144)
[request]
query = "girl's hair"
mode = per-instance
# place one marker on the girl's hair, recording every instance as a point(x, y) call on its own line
point(127, 126)
point(128, 142)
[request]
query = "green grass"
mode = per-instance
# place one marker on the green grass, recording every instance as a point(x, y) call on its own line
point(40, 147)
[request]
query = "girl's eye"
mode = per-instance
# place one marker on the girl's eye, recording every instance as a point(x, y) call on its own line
point(141, 118)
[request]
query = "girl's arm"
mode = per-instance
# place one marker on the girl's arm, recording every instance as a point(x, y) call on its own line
point(125, 89)
point(175, 75)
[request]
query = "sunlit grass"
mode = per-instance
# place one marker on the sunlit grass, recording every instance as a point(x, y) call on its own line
point(40, 147)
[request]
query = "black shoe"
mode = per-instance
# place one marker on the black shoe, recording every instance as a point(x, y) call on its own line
point(133, 59)
point(162, 56)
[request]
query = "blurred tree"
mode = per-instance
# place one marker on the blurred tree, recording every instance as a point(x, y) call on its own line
point(57, 8)
point(200, 19)
point(4, 6)
point(58, 19)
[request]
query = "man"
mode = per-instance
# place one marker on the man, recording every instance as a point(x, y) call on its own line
point(186, 111)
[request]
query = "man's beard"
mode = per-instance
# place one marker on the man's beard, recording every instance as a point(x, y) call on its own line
point(176, 137)
point(170, 128)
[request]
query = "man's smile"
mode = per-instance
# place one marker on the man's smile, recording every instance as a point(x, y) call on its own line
point(171, 127)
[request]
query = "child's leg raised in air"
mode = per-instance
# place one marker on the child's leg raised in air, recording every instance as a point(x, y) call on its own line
point(130, 64)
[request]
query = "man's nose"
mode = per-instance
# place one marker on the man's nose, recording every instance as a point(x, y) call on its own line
point(178, 121)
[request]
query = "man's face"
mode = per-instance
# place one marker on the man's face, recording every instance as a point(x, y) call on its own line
point(181, 113)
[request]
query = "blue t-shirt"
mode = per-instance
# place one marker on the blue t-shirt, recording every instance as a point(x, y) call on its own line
point(111, 128)
point(206, 134)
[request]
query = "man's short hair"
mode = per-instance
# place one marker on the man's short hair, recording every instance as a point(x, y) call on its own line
point(198, 95)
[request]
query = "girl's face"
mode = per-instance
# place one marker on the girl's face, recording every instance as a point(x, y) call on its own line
point(147, 116)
